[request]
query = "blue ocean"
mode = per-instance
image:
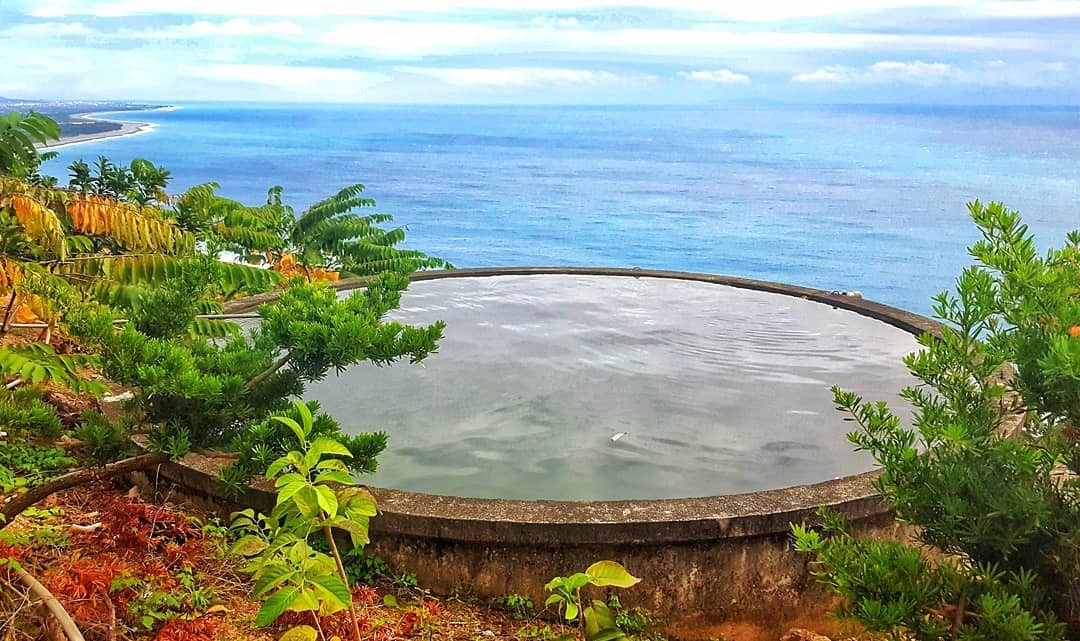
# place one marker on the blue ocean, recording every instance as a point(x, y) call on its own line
point(868, 198)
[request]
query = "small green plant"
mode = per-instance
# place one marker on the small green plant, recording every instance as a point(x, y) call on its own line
point(596, 622)
point(23, 463)
point(364, 568)
point(518, 605)
point(406, 581)
point(316, 493)
point(637, 623)
point(534, 631)
point(150, 606)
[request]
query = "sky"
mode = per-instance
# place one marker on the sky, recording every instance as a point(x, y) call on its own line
point(543, 51)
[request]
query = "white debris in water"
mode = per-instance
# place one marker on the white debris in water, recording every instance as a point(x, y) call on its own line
point(615, 437)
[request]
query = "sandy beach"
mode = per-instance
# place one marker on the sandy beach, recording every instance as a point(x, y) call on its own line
point(127, 128)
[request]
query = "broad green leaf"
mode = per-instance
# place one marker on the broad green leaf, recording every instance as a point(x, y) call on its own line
point(607, 634)
point(571, 610)
point(306, 419)
point(334, 464)
point(323, 446)
point(294, 426)
point(300, 633)
point(305, 601)
point(307, 501)
point(271, 577)
point(335, 476)
point(276, 605)
point(597, 617)
point(605, 573)
point(390, 601)
point(335, 588)
point(249, 545)
point(352, 527)
point(287, 492)
point(327, 499)
point(554, 598)
point(275, 468)
point(291, 477)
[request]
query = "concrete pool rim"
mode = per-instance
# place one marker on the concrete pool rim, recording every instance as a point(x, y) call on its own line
point(655, 521)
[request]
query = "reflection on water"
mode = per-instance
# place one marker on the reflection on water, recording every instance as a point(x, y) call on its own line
point(721, 390)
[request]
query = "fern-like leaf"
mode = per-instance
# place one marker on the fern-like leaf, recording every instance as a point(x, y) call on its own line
point(39, 363)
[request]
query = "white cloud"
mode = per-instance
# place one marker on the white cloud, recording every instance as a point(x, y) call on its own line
point(401, 38)
point(885, 71)
point(992, 72)
point(511, 76)
point(759, 11)
point(837, 74)
point(228, 28)
point(292, 83)
point(557, 23)
point(720, 76)
point(34, 30)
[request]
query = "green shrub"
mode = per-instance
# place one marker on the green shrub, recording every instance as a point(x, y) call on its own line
point(1004, 507)
point(23, 413)
point(103, 440)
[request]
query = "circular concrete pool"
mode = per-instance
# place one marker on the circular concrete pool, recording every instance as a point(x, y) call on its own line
point(595, 386)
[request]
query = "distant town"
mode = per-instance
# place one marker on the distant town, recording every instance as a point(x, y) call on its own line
point(68, 113)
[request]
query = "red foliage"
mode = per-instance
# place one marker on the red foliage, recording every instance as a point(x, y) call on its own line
point(407, 625)
point(136, 527)
point(337, 624)
point(82, 584)
point(13, 552)
point(364, 595)
point(201, 629)
point(433, 607)
point(136, 539)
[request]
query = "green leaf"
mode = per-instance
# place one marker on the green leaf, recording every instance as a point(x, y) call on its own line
point(327, 499)
point(323, 445)
point(291, 477)
point(271, 577)
point(337, 477)
point(390, 601)
point(598, 617)
point(356, 530)
point(605, 573)
point(607, 634)
point(276, 605)
point(275, 468)
point(294, 426)
point(554, 598)
point(306, 419)
point(307, 501)
point(289, 491)
point(334, 464)
point(306, 601)
point(300, 633)
point(571, 611)
point(249, 545)
point(335, 588)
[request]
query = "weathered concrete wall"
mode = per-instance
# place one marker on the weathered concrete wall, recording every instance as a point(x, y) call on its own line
point(702, 560)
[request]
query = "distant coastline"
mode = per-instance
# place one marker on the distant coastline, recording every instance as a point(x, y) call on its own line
point(127, 128)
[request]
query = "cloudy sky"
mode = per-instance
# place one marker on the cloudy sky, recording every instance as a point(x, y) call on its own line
point(543, 51)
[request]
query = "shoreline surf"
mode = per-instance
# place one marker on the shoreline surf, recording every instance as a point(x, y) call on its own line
point(127, 128)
